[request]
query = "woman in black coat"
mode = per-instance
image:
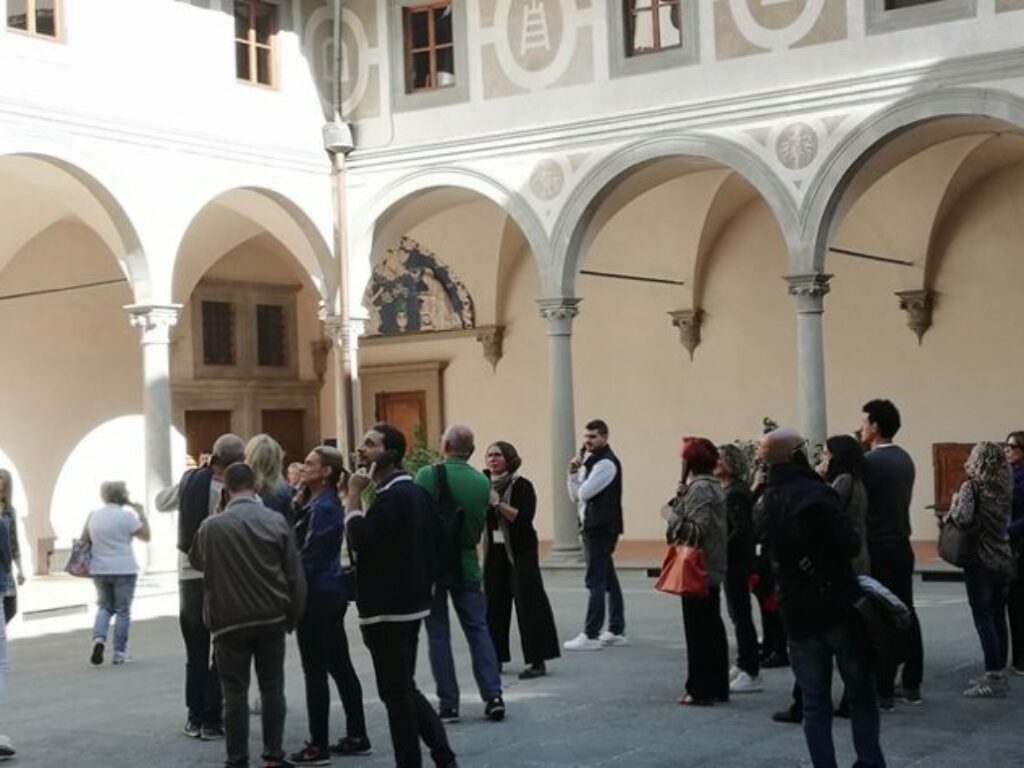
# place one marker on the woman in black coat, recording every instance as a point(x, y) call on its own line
point(512, 565)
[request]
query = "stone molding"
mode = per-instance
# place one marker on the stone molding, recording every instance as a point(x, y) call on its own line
point(809, 291)
point(154, 320)
point(492, 340)
point(559, 312)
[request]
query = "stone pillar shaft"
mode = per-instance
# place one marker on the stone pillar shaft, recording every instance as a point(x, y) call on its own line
point(155, 322)
point(559, 313)
point(809, 292)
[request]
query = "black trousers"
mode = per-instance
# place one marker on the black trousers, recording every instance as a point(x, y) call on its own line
point(737, 600)
point(707, 649)
point(1015, 611)
point(323, 647)
point(392, 646)
point(236, 651)
point(10, 608)
point(202, 688)
point(523, 586)
point(893, 566)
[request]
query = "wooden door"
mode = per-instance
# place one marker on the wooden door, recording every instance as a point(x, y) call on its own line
point(406, 411)
point(948, 462)
point(202, 428)
point(286, 426)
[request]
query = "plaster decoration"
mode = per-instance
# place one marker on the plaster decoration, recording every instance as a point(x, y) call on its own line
point(797, 146)
point(360, 57)
point(535, 42)
point(492, 339)
point(688, 321)
point(918, 305)
point(547, 180)
point(412, 291)
point(744, 27)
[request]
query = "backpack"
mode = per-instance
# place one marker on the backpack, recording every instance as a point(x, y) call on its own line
point(449, 546)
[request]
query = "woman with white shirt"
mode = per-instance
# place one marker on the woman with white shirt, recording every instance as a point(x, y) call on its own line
point(111, 529)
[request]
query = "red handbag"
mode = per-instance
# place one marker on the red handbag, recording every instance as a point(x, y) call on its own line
point(683, 572)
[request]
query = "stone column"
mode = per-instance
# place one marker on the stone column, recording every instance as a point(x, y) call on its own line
point(559, 313)
point(155, 321)
point(809, 292)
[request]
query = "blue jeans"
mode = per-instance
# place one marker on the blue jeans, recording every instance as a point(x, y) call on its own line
point(471, 609)
point(811, 660)
point(986, 594)
point(601, 579)
point(114, 597)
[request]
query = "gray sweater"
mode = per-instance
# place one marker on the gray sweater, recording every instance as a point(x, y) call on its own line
point(703, 509)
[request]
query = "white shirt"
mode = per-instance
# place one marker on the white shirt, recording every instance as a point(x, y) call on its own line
point(111, 529)
point(584, 487)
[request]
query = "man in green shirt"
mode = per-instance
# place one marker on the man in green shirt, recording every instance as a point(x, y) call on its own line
point(470, 492)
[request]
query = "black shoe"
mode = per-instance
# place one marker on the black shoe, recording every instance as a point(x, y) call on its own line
point(532, 671)
point(911, 696)
point(211, 732)
point(448, 714)
point(352, 745)
point(774, 661)
point(495, 709)
point(886, 704)
point(192, 729)
point(310, 755)
point(789, 715)
point(97, 653)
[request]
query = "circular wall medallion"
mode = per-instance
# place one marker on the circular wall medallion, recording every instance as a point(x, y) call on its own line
point(796, 146)
point(547, 180)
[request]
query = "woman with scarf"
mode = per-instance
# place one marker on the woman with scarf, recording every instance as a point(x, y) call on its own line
point(512, 565)
point(983, 504)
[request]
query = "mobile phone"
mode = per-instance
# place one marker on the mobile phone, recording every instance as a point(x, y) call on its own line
point(583, 451)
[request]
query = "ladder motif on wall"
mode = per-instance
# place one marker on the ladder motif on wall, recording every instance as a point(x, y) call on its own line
point(535, 28)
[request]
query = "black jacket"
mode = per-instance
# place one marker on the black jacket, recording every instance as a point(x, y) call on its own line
point(522, 536)
point(811, 542)
point(193, 505)
point(395, 546)
point(603, 513)
point(740, 543)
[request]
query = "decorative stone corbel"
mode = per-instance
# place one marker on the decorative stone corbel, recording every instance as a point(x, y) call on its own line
point(491, 339)
point(688, 321)
point(918, 305)
point(321, 348)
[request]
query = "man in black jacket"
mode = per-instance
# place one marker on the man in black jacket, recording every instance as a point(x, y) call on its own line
point(196, 497)
point(889, 479)
point(811, 542)
point(595, 484)
point(395, 543)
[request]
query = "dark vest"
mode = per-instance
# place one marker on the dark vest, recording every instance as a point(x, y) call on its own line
point(193, 505)
point(604, 512)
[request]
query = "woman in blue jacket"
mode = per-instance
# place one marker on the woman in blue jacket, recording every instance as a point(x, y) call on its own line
point(323, 646)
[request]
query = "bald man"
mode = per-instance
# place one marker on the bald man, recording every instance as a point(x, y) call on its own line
point(196, 497)
point(465, 492)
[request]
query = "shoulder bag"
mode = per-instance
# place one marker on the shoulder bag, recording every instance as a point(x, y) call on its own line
point(959, 545)
point(684, 571)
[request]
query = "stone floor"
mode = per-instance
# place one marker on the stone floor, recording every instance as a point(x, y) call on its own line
point(610, 708)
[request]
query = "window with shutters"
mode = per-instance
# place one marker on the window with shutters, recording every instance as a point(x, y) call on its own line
point(218, 333)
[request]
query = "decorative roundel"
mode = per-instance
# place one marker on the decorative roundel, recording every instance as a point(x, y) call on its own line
point(796, 146)
point(536, 40)
point(547, 180)
point(775, 39)
point(355, 65)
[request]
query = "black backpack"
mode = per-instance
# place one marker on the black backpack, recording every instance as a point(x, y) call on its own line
point(449, 546)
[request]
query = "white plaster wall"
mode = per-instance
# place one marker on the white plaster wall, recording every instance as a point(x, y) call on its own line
point(73, 365)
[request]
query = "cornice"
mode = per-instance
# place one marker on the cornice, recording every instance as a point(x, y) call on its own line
point(752, 107)
point(96, 126)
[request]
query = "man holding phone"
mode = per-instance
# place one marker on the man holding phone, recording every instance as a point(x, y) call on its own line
point(595, 484)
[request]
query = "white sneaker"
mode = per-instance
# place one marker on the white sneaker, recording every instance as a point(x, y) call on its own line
point(583, 643)
point(610, 639)
point(256, 707)
point(733, 672)
point(6, 750)
point(744, 683)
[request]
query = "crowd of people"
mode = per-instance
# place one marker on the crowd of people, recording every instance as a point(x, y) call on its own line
point(266, 551)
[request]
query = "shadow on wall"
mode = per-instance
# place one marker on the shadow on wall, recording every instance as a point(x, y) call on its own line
point(20, 502)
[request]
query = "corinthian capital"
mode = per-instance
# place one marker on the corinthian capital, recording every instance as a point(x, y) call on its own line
point(154, 320)
point(559, 312)
point(809, 290)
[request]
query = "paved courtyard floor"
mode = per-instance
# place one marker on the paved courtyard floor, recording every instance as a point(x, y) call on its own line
point(615, 707)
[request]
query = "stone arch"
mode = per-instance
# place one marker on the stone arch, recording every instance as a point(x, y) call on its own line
point(583, 204)
point(885, 139)
point(404, 189)
point(115, 227)
point(267, 210)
